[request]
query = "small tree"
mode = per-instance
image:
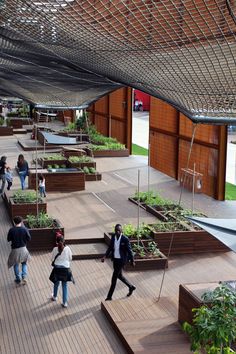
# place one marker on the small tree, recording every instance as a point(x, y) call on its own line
point(214, 326)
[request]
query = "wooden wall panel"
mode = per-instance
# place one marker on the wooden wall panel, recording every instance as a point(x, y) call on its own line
point(163, 153)
point(112, 115)
point(206, 133)
point(205, 160)
point(118, 129)
point(100, 122)
point(163, 116)
point(118, 103)
point(102, 105)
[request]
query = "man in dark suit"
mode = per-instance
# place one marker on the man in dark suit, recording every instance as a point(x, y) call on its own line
point(121, 253)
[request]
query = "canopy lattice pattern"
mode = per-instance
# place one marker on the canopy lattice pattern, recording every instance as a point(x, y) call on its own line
point(67, 53)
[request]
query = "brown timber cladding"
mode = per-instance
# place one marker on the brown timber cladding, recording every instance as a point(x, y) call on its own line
point(170, 140)
point(112, 115)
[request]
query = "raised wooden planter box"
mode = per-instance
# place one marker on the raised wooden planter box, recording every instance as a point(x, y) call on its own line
point(67, 152)
point(46, 163)
point(108, 153)
point(80, 137)
point(82, 164)
point(17, 123)
point(134, 201)
point(25, 209)
point(190, 297)
point(160, 211)
point(6, 131)
point(44, 239)
point(93, 176)
point(153, 263)
point(187, 242)
point(59, 181)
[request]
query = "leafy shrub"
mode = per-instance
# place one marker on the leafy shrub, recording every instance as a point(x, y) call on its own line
point(82, 158)
point(71, 127)
point(81, 122)
point(1, 120)
point(43, 220)
point(49, 157)
point(92, 170)
point(86, 170)
point(144, 230)
point(214, 327)
point(107, 146)
point(20, 197)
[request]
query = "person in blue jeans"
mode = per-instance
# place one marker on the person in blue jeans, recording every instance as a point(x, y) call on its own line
point(23, 169)
point(19, 235)
point(61, 258)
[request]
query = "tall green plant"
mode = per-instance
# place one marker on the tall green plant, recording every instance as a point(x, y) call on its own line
point(214, 326)
point(43, 220)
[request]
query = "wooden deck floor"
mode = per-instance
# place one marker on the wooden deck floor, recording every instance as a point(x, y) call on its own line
point(31, 323)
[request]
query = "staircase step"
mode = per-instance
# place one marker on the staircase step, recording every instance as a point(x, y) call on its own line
point(88, 251)
point(76, 241)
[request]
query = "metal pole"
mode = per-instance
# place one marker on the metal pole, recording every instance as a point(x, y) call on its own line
point(138, 207)
point(148, 167)
point(193, 189)
point(36, 169)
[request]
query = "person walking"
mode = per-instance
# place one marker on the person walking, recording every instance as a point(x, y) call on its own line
point(19, 235)
point(42, 188)
point(3, 166)
point(23, 169)
point(121, 253)
point(61, 258)
point(9, 178)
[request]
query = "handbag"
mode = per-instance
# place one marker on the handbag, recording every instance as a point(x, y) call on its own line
point(53, 276)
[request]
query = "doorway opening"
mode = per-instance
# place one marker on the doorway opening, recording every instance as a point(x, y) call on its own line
point(140, 123)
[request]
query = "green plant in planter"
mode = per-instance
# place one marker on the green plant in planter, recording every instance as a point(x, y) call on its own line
point(49, 166)
point(81, 122)
point(152, 248)
point(92, 170)
point(43, 220)
point(1, 120)
point(214, 326)
point(129, 230)
point(71, 127)
point(49, 157)
point(82, 158)
point(20, 197)
point(86, 170)
point(139, 250)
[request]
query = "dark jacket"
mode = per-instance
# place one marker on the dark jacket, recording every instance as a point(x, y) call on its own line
point(126, 253)
point(18, 236)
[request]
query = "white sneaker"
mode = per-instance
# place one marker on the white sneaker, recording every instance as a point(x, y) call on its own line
point(53, 298)
point(65, 305)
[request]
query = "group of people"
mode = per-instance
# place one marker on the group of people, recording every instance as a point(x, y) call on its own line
point(61, 257)
point(6, 174)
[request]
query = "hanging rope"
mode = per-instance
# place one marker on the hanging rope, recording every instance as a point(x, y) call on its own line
point(189, 155)
point(181, 189)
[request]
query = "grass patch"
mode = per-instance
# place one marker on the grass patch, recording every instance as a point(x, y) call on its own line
point(230, 191)
point(139, 150)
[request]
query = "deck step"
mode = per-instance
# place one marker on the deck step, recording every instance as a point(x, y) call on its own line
point(88, 251)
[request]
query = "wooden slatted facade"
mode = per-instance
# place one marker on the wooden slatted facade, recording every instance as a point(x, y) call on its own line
point(170, 138)
point(170, 141)
point(112, 115)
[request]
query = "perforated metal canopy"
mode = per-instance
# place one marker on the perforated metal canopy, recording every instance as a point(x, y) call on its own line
point(67, 53)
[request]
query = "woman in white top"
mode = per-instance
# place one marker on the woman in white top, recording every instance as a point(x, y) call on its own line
point(42, 188)
point(61, 257)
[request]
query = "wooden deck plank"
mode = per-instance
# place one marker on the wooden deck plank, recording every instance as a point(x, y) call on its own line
point(45, 326)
